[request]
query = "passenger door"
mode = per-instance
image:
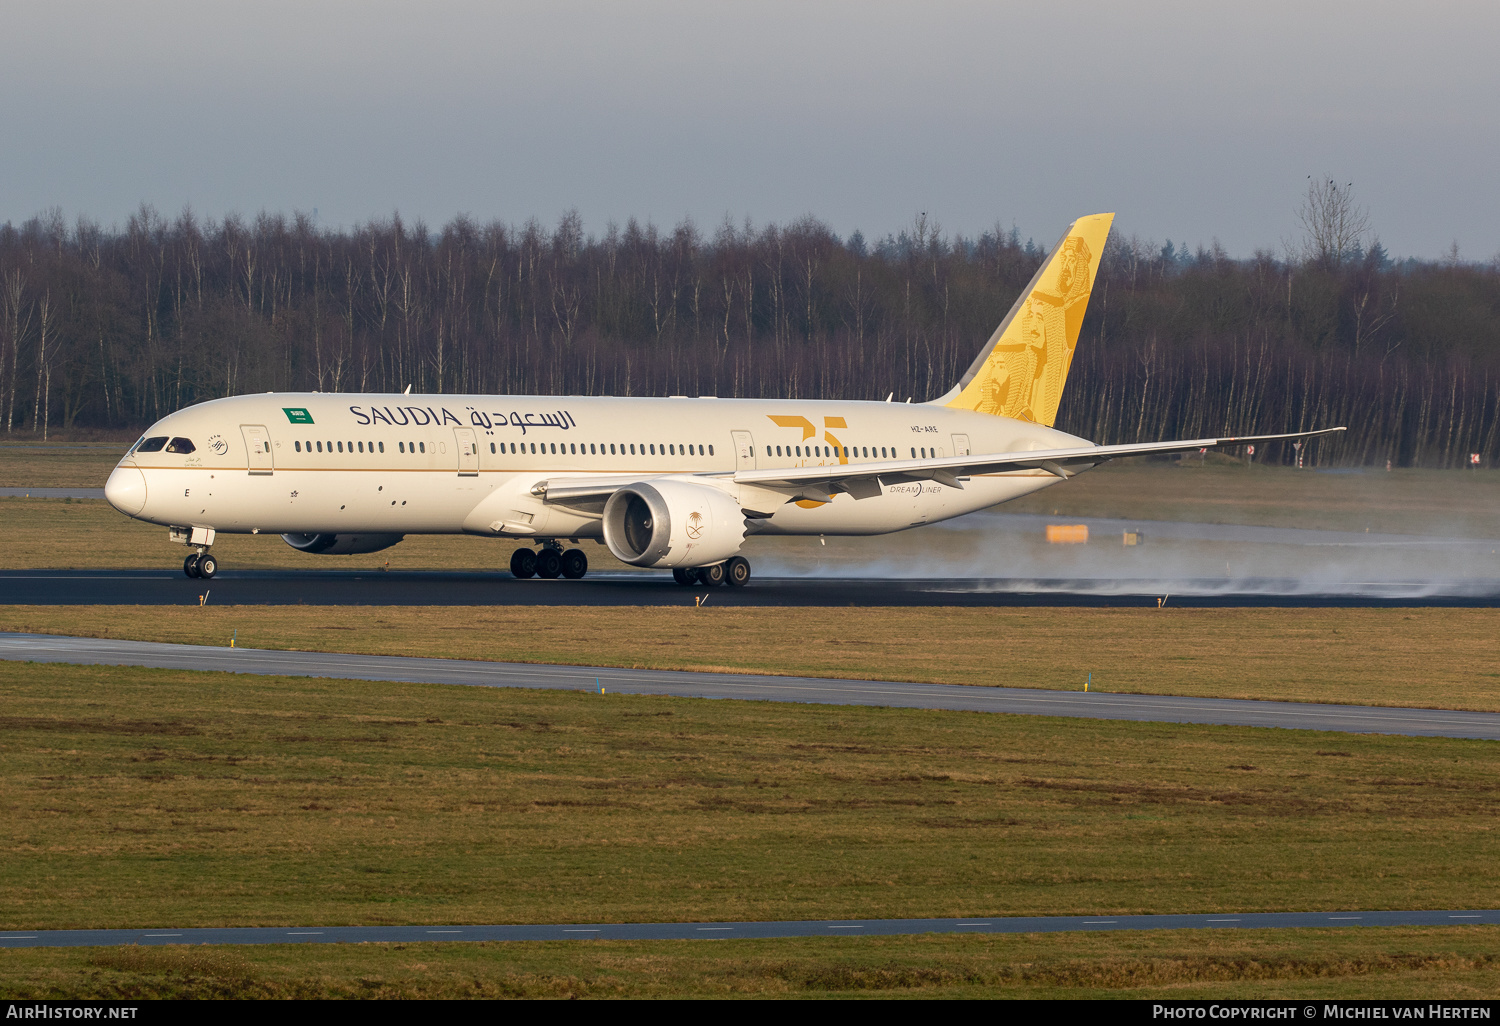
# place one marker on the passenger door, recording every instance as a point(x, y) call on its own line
point(468, 452)
point(258, 445)
point(960, 445)
point(744, 450)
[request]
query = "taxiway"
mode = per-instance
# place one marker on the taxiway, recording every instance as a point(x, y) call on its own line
point(731, 930)
point(1359, 719)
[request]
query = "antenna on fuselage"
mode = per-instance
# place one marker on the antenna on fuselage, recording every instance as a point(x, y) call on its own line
point(406, 390)
point(890, 397)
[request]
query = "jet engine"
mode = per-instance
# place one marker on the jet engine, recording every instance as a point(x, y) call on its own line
point(670, 523)
point(341, 544)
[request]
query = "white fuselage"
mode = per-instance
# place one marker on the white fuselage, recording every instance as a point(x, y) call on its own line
point(311, 463)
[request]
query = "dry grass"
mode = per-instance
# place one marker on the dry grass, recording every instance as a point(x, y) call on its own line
point(1436, 658)
point(81, 534)
point(1428, 964)
point(72, 464)
point(1223, 491)
point(146, 798)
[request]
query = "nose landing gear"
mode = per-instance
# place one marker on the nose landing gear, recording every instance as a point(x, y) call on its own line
point(200, 564)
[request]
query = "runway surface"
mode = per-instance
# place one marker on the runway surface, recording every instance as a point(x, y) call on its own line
point(168, 586)
point(1022, 701)
point(727, 930)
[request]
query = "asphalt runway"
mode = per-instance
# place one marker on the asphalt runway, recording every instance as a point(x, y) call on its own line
point(168, 586)
point(1355, 719)
point(728, 931)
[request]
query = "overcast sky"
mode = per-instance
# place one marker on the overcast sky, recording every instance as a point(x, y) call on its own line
point(1193, 120)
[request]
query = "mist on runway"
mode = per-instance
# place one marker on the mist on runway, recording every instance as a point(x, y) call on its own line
point(1010, 551)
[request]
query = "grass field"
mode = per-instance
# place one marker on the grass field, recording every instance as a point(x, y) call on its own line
point(1437, 658)
point(1287, 964)
point(71, 464)
point(90, 534)
point(1223, 491)
point(141, 797)
point(135, 797)
point(1219, 490)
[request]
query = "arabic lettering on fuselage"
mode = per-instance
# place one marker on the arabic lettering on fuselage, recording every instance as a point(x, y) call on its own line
point(525, 421)
point(421, 416)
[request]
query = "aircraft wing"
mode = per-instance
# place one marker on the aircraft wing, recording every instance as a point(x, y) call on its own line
point(867, 479)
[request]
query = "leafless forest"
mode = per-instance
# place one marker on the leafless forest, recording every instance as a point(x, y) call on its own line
point(113, 328)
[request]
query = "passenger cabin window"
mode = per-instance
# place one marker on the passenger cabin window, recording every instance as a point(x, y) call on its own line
point(156, 444)
point(382, 447)
point(297, 446)
point(423, 446)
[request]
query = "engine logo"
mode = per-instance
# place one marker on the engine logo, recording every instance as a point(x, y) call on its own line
point(695, 526)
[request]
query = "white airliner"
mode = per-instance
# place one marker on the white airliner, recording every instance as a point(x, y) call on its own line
point(675, 483)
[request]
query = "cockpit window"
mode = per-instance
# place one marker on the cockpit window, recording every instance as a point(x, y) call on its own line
point(182, 445)
point(156, 444)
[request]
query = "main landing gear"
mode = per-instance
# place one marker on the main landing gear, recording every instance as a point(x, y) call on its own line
point(200, 564)
point(551, 562)
point(734, 572)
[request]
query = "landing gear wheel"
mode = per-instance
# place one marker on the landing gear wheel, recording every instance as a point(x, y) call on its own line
point(574, 564)
point(548, 564)
point(712, 575)
point(207, 566)
point(523, 563)
point(684, 576)
point(190, 565)
point(737, 572)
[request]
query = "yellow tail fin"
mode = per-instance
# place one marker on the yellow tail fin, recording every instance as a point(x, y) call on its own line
point(1021, 372)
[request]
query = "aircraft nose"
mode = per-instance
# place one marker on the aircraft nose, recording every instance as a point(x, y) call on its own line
point(126, 490)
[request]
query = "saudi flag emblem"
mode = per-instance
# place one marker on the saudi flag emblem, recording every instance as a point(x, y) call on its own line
point(297, 415)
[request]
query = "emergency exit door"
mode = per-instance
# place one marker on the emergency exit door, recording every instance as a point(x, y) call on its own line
point(744, 450)
point(960, 445)
point(258, 446)
point(468, 452)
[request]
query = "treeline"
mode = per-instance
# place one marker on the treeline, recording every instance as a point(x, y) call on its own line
point(114, 328)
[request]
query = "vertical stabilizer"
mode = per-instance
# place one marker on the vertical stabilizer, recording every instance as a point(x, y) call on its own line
point(1020, 373)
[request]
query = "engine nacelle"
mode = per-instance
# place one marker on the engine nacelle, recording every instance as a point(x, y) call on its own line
point(341, 544)
point(670, 523)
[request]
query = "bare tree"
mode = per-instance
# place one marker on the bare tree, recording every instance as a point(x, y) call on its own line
point(1333, 225)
